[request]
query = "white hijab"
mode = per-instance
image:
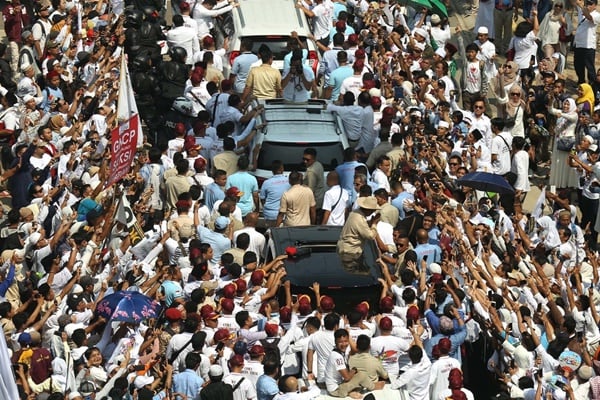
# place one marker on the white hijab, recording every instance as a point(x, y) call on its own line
point(548, 233)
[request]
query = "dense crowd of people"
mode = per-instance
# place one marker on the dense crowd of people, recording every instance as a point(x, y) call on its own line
point(161, 285)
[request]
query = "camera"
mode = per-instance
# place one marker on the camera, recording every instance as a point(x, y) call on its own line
point(436, 186)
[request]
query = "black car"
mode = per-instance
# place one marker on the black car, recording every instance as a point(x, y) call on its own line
point(321, 263)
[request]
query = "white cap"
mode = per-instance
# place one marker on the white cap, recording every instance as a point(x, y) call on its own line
point(431, 98)
point(25, 66)
point(74, 395)
point(443, 124)
point(441, 52)
point(77, 288)
point(142, 381)
point(421, 32)
point(482, 30)
point(420, 46)
point(435, 268)
point(435, 19)
point(215, 370)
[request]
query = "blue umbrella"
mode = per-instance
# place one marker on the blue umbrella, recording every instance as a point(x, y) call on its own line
point(127, 306)
point(486, 182)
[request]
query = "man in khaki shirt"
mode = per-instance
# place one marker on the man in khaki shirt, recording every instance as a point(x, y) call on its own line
point(297, 204)
point(227, 160)
point(314, 175)
point(175, 185)
point(365, 362)
point(356, 232)
point(264, 81)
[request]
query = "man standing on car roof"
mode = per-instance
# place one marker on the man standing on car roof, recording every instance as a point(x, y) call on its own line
point(357, 231)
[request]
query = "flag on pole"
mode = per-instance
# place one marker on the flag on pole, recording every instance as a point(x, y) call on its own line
point(126, 216)
point(539, 205)
point(128, 135)
point(126, 105)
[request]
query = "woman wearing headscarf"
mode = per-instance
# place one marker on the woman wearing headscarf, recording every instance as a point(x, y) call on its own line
point(513, 109)
point(585, 98)
point(547, 232)
point(552, 23)
point(561, 174)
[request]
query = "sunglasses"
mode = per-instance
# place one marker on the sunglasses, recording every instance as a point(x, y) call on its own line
point(479, 107)
point(515, 94)
point(453, 163)
point(558, 6)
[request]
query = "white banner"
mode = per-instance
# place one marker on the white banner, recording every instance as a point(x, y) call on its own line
point(126, 106)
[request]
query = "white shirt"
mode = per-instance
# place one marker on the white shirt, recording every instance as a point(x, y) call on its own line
point(322, 20)
point(388, 349)
point(416, 380)
point(381, 179)
point(524, 49)
point(352, 84)
point(245, 391)
point(484, 125)
point(585, 35)
point(322, 342)
point(473, 82)
point(501, 147)
point(440, 370)
point(520, 166)
point(257, 240)
point(487, 51)
point(335, 363)
point(204, 17)
point(185, 37)
point(336, 201)
point(190, 23)
point(252, 370)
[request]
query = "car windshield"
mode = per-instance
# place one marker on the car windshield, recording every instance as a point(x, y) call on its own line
point(277, 45)
point(330, 154)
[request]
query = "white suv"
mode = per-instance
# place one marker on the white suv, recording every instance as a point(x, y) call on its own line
point(291, 128)
point(269, 23)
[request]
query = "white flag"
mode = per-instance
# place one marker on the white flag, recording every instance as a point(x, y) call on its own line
point(126, 106)
point(8, 386)
point(124, 213)
point(539, 205)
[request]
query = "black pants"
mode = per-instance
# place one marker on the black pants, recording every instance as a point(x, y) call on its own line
point(589, 208)
point(584, 59)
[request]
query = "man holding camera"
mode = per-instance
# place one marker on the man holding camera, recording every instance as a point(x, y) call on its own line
point(298, 80)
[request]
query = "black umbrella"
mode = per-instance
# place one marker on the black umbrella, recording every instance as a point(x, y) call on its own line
point(486, 182)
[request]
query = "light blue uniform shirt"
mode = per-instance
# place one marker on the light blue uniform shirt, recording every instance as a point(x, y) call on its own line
point(246, 183)
point(271, 192)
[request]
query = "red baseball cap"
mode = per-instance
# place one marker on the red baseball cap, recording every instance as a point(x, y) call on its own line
point(229, 291)
point(385, 324)
point(257, 277)
point(227, 305)
point(223, 334)
point(327, 303)
point(386, 304)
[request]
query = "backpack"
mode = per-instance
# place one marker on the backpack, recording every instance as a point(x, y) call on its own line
point(271, 348)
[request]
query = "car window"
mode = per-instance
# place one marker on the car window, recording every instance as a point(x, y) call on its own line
point(329, 154)
point(277, 45)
